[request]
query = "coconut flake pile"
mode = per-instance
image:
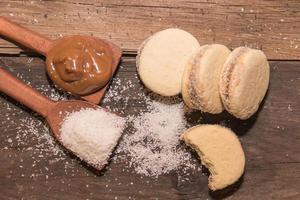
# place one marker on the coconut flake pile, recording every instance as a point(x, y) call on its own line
point(154, 146)
point(92, 134)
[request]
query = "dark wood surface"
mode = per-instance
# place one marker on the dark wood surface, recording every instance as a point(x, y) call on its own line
point(270, 139)
point(271, 25)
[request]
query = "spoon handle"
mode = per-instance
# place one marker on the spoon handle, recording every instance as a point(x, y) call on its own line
point(24, 36)
point(26, 95)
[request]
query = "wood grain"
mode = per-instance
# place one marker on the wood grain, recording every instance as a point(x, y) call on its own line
point(272, 26)
point(270, 139)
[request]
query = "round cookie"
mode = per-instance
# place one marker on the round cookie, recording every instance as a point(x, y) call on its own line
point(200, 82)
point(244, 81)
point(220, 151)
point(162, 58)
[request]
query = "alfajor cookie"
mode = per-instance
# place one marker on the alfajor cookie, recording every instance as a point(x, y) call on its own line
point(220, 151)
point(162, 58)
point(244, 81)
point(200, 82)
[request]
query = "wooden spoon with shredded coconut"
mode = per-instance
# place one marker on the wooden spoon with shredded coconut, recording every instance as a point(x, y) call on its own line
point(56, 112)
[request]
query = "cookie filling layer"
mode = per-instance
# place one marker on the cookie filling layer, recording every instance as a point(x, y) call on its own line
point(229, 72)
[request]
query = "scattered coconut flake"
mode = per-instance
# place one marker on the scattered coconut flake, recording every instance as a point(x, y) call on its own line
point(154, 147)
point(290, 108)
point(92, 134)
point(32, 134)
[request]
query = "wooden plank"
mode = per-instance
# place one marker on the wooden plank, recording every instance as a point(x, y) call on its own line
point(272, 26)
point(270, 140)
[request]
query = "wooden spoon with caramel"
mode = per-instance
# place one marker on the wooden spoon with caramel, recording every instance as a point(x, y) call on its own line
point(82, 65)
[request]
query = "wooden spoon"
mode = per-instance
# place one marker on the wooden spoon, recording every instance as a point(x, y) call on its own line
point(53, 112)
point(43, 45)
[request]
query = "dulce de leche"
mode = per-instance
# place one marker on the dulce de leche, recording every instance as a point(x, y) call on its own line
point(80, 64)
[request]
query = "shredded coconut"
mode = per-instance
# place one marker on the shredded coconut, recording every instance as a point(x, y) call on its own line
point(154, 147)
point(92, 134)
point(32, 135)
point(151, 146)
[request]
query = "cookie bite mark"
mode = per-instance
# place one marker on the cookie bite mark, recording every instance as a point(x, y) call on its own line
point(220, 151)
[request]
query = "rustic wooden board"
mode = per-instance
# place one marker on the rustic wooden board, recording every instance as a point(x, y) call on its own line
point(272, 26)
point(270, 139)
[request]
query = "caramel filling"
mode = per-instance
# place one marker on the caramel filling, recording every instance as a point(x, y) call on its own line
point(80, 64)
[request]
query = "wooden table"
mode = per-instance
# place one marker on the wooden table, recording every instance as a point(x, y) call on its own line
point(270, 139)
